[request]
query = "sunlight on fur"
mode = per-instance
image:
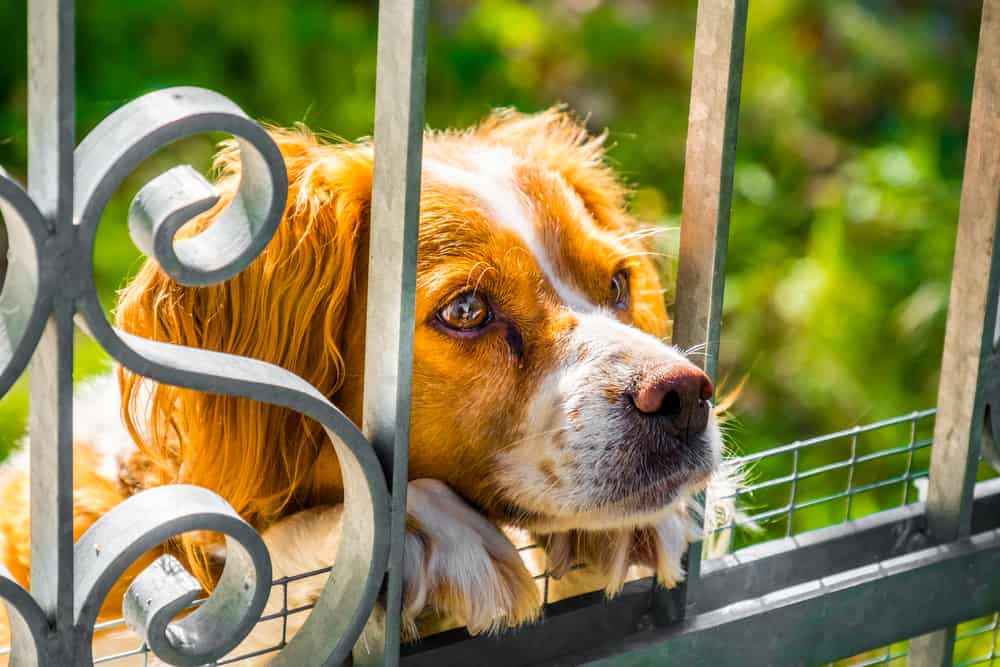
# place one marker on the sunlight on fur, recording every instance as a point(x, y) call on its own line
point(547, 406)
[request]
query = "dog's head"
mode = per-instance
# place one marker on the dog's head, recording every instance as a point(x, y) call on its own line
point(543, 390)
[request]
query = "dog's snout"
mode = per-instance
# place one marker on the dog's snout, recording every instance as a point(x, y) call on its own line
point(679, 394)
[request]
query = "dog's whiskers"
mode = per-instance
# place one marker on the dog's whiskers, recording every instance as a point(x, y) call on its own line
point(646, 232)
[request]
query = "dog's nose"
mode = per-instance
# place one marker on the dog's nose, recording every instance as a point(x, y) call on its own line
point(679, 394)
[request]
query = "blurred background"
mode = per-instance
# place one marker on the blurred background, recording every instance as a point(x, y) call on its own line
point(851, 142)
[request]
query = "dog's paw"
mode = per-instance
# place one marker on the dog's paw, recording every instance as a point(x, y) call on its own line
point(661, 547)
point(609, 558)
point(460, 565)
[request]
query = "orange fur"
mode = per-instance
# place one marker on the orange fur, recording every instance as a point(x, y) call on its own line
point(93, 496)
point(287, 308)
point(301, 305)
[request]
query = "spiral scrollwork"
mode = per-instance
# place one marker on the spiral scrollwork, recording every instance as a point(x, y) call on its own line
point(144, 521)
point(24, 307)
point(122, 536)
point(24, 301)
point(28, 625)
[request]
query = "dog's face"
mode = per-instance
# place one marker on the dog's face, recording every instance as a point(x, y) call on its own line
point(543, 390)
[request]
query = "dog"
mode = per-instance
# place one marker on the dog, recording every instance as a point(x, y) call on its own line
point(546, 400)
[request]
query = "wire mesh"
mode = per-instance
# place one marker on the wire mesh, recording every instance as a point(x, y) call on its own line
point(829, 479)
point(894, 655)
point(139, 653)
point(791, 489)
point(976, 642)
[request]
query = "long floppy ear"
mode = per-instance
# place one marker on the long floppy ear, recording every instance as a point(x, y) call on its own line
point(288, 307)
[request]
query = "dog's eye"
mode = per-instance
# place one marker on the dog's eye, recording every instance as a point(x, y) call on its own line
point(465, 312)
point(619, 290)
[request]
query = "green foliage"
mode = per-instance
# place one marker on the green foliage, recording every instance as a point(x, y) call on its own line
point(852, 133)
point(849, 161)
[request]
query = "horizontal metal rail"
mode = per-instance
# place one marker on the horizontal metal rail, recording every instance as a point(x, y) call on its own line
point(846, 433)
point(829, 584)
point(830, 467)
point(829, 618)
point(741, 528)
point(578, 628)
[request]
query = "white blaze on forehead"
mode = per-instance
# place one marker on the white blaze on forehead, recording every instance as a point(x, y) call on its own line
point(491, 180)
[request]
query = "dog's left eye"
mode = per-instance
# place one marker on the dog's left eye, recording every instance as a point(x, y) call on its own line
point(466, 312)
point(619, 290)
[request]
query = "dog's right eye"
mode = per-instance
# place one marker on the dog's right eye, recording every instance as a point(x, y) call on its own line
point(466, 312)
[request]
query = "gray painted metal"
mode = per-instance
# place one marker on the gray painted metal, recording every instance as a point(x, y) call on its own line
point(829, 583)
point(51, 231)
point(708, 176)
point(717, 74)
point(51, 128)
point(763, 569)
point(392, 274)
point(353, 584)
point(830, 618)
point(590, 622)
point(149, 519)
point(972, 311)
point(972, 321)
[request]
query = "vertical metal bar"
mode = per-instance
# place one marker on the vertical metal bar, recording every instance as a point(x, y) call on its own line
point(399, 124)
point(284, 613)
point(708, 192)
point(935, 648)
point(972, 306)
point(732, 525)
point(3, 253)
point(793, 492)
point(908, 480)
point(850, 475)
point(972, 316)
point(51, 129)
point(708, 175)
point(995, 629)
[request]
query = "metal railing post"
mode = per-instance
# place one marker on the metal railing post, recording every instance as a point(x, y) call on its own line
point(51, 129)
point(392, 262)
point(972, 316)
point(708, 192)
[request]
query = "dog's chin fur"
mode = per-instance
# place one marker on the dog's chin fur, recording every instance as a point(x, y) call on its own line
point(644, 508)
point(527, 419)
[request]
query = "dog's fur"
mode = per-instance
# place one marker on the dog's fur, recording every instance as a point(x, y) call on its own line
point(526, 423)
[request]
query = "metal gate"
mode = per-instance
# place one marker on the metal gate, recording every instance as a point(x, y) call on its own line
point(794, 598)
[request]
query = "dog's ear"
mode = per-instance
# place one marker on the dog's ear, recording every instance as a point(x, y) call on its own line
point(289, 307)
point(559, 141)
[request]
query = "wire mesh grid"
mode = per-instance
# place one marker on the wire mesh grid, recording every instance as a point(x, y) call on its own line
point(890, 655)
point(130, 650)
point(829, 479)
point(791, 489)
point(976, 643)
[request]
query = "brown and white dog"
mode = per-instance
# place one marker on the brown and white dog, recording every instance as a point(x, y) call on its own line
point(545, 397)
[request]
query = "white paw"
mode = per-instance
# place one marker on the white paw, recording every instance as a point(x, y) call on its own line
point(460, 565)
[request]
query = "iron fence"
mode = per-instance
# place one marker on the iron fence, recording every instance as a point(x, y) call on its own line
point(861, 585)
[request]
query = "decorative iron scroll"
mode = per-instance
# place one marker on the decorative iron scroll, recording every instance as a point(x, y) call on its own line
point(41, 269)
